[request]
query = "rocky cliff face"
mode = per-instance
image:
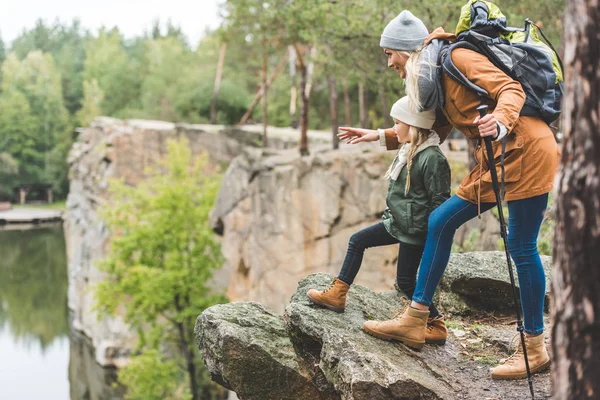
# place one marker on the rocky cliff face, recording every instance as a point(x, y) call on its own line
point(113, 148)
point(313, 353)
point(283, 217)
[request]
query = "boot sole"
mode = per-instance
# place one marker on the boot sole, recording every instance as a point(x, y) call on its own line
point(319, 303)
point(522, 375)
point(438, 342)
point(410, 343)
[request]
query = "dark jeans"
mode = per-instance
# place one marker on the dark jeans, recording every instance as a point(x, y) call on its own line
point(409, 258)
point(524, 220)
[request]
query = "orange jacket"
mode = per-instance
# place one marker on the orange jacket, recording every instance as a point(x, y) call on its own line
point(531, 156)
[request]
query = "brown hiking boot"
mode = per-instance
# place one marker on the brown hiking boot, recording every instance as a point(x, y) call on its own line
point(333, 297)
point(514, 366)
point(408, 328)
point(436, 333)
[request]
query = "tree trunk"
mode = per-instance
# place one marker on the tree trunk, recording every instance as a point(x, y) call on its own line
point(576, 278)
point(333, 100)
point(310, 71)
point(213, 107)
point(293, 88)
point(259, 94)
point(187, 353)
point(347, 113)
point(304, 103)
point(385, 108)
point(303, 113)
point(361, 105)
point(265, 118)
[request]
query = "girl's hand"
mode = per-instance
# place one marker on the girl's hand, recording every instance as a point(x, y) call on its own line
point(488, 126)
point(357, 135)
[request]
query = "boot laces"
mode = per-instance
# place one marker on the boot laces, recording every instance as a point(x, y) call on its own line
point(397, 314)
point(329, 288)
point(518, 354)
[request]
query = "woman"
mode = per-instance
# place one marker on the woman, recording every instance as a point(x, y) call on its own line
point(531, 162)
point(419, 182)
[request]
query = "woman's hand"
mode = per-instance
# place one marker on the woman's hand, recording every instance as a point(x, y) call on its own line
point(488, 126)
point(357, 135)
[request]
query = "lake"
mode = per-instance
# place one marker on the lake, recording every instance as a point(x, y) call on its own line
point(40, 356)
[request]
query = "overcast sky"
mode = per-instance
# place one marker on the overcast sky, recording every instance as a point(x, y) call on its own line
point(133, 17)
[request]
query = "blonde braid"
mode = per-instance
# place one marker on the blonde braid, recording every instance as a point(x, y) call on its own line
point(418, 136)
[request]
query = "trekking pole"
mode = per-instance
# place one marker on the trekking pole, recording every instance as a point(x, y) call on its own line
point(490, 155)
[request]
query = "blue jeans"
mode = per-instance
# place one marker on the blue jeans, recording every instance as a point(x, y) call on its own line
point(525, 219)
point(409, 257)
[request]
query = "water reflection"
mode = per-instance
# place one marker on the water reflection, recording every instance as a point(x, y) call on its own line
point(89, 381)
point(39, 358)
point(33, 286)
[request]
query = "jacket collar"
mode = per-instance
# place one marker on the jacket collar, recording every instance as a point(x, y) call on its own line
point(440, 34)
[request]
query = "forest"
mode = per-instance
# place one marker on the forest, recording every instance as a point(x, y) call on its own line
point(318, 59)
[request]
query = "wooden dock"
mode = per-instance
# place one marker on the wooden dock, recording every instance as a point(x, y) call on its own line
point(29, 216)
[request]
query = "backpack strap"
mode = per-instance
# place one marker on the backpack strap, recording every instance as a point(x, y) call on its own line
point(454, 73)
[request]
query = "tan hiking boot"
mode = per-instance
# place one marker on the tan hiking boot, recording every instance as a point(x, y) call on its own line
point(436, 332)
point(408, 328)
point(514, 366)
point(333, 297)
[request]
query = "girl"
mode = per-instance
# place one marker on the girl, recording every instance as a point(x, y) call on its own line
point(419, 182)
point(531, 162)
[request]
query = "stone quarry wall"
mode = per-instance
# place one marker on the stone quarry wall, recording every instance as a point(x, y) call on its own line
point(283, 217)
point(114, 148)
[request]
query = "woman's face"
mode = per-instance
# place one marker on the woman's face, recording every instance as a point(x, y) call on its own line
point(401, 130)
point(397, 60)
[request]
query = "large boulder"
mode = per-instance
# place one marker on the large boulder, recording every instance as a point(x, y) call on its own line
point(246, 346)
point(480, 281)
point(247, 349)
point(358, 365)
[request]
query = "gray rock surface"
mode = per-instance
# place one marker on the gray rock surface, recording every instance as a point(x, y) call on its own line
point(246, 348)
point(481, 281)
point(338, 359)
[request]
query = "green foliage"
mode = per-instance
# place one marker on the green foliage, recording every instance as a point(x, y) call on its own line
point(66, 45)
point(162, 256)
point(168, 62)
point(150, 376)
point(34, 124)
point(118, 76)
point(18, 138)
point(92, 99)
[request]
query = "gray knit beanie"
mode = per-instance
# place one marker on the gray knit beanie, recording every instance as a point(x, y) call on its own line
point(405, 32)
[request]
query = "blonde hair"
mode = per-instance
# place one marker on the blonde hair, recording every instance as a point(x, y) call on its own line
point(414, 69)
point(418, 136)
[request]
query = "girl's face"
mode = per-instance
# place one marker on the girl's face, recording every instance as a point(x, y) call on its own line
point(397, 60)
point(401, 130)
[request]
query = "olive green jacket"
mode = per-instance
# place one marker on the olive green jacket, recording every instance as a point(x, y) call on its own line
point(406, 216)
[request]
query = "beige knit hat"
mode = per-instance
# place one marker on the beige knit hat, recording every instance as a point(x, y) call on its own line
point(401, 111)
